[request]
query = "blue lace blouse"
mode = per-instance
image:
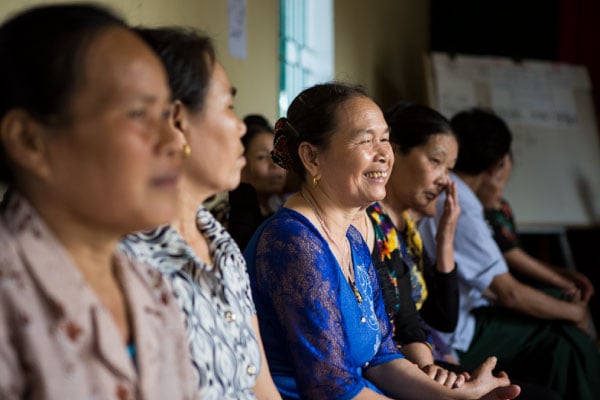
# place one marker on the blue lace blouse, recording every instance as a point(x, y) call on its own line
point(318, 338)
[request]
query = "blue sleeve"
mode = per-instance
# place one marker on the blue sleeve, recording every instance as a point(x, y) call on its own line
point(476, 253)
point(296, 275)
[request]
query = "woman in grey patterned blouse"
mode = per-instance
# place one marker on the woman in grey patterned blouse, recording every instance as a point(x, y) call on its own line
point(203, 265)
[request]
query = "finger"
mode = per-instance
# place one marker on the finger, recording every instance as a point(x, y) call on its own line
point(448, 204)
point(485, 369)
point(489, 363)
point(453, 192)
point(450, 380)
point(586, 287)
point(575, 295)
point(431, 370)
point(460, 380)
point(502, 378)
point(441, 376)
point(432, 374)
point(502, 375)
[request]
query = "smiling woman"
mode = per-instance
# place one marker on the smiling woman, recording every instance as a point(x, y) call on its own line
point(317, 294)
point(87, 152)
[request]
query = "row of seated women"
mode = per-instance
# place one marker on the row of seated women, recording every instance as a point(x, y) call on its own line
point(116, 281)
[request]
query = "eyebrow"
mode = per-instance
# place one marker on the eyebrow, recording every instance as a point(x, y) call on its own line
point(149, 99)
point(439, 150)
point(371, 131)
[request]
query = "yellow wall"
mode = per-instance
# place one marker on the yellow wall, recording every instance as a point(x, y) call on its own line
point(378, 43)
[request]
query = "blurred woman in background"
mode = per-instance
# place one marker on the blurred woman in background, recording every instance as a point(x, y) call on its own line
point(202, 264)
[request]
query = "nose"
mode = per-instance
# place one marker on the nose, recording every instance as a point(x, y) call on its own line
point(443, 179)
point(241, 127)
point(384, 152)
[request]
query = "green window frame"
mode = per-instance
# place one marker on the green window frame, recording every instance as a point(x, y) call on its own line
point(306, 47)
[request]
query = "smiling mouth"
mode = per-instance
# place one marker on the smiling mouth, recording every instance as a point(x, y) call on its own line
point(376, 175)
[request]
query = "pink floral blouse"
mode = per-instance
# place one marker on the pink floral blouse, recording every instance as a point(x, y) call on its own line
point(57, 341)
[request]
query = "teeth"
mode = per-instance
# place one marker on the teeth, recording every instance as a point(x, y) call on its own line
point(376, 175)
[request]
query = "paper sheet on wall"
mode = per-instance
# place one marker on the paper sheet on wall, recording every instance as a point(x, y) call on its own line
point(531, 95)
point(454, 90)
point(236, 15)
point(549, 109)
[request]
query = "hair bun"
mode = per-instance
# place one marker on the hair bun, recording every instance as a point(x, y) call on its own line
point(284, 133)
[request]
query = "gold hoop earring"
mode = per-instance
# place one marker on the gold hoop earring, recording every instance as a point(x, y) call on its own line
point(187, 150)
point(315, 181)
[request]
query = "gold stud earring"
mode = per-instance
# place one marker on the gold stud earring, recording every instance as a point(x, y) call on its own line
point(187, 150)
point(315, 181)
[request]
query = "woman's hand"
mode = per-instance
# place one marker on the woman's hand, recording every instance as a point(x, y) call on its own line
point(486, 386)
point(444, 377)
point(446, 229)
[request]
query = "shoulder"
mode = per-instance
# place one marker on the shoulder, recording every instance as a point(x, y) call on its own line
point(288, 225)
point(162, 248)
point(226, 249)
point(288, 240)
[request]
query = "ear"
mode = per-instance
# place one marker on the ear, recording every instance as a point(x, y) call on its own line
point(309, 156)
point(497, 169)
point(24, 142)
point(180, 120)
point(495, 172)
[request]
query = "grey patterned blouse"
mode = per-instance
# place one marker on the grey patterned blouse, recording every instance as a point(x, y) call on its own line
point(216, 301)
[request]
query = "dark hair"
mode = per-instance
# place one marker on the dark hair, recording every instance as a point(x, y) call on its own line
point(252, 130)
point(41, 59)
point(411, 125)
point(484, 139)
point(257, 119)
point(255, 124)
point(312, 118)
point(189, 58)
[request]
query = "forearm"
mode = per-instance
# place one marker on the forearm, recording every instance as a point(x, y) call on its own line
point(526, 265)
point(515, 295)
point(445, 253)
point(440, 310)
point(418, 353)
point(404, 380)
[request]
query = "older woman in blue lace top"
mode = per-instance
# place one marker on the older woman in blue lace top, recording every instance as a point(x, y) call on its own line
point(317, 295)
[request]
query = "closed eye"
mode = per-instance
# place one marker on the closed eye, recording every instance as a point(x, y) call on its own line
point(137, 113)
point(166, 114)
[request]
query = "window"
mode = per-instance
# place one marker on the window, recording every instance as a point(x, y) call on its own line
point(306, 47)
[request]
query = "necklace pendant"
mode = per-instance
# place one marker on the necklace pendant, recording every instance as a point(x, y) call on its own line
point(356, 292)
